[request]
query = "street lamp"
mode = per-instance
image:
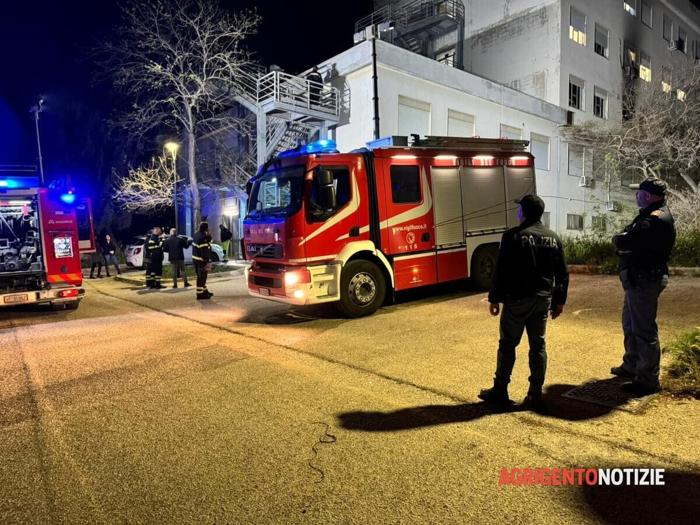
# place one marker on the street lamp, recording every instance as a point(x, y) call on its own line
point(36, 109)
point(172, 147)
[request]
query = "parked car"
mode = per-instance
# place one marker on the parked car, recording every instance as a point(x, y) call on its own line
point(135, 248)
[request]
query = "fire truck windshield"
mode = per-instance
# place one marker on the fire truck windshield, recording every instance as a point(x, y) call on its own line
point(277, 192)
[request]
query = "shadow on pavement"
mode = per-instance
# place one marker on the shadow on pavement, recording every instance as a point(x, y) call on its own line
point(556, 406)
point(676, 502)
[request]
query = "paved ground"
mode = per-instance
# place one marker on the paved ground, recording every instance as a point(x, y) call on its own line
point(151, 407)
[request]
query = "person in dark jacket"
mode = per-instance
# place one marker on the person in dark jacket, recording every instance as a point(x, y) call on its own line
point(175, 246)
point(530, 280)
point(109, 252)
point(644, 248)
point(96, 262)
point(201, 257)
point(154, 269)
point(225, 235)
point(315, 86)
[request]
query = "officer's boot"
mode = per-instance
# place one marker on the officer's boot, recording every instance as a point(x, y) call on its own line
point(497, 395)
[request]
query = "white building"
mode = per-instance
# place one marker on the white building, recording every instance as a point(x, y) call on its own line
point(422, 96)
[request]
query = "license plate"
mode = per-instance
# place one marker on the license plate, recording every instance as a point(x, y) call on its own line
point(264, 291)
point(19, 298)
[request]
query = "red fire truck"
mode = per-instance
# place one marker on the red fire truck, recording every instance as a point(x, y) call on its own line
point(353, 228)
point(40, 244)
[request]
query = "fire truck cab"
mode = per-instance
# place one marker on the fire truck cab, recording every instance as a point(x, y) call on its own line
point(40, 244)
point(353, 228)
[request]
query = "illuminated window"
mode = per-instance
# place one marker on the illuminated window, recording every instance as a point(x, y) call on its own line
point(630, 6)
point(668, 28)
point(600, 45)
point(645, 68)
point(680, 94)
point(647, 15)
point(576, 92)
point(600, 103)
point(577, 27)
point(666, 79)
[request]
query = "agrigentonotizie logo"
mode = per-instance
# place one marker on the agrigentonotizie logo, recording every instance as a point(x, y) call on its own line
point(581, 476)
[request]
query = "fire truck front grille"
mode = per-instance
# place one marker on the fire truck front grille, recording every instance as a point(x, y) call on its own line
point(270, 251)
point(267, 282)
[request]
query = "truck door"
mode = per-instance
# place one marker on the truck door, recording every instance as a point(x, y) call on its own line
point(408, 226)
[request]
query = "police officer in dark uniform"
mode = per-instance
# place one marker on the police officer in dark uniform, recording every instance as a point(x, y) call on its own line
point(531, 280)
point(154, 269)
point(644, 249)
point(315, 88)
point(201, 255)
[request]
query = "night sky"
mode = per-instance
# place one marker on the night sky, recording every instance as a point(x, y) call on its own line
point(44, 49)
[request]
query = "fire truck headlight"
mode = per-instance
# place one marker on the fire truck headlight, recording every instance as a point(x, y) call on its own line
point(296, 277)
point(299, 294)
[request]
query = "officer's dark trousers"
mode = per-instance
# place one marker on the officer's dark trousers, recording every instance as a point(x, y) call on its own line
point(528, 314)
point(156, 270)
point(642, 348)
point(201, 269)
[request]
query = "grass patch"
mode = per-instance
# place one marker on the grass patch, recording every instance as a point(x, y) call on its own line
point(683, 372)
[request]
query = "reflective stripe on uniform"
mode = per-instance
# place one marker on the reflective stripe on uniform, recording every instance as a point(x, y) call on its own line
point(197, 258)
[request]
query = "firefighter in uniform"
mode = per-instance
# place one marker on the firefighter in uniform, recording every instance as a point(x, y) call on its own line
point(154, 269)
point(644, 248)
point(201, 255)
point(531, 280)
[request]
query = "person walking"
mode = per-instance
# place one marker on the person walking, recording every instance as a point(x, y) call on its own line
point(225, 235)
point(154, 269)
point(175, 246)
point(201, 255)
point(644, 248)
point(109, 252)
point(530, 280)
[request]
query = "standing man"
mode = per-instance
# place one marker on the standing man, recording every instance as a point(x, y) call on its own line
point(154, 270)
point(315, 87)
point(644, 249)
point(175, 246)
point(201, 255)
point(225, 235)
point(530, 279)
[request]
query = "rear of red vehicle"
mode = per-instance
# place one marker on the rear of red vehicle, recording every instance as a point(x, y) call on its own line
point(39, 248)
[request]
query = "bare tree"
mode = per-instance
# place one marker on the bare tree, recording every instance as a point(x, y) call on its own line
point(180, 62)
point(147, 188)
point(660, 138)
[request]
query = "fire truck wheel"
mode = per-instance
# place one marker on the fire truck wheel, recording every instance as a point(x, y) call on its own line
point(483, 266)
point(362, 289)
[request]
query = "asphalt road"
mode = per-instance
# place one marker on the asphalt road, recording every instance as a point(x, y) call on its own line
point(150, 407)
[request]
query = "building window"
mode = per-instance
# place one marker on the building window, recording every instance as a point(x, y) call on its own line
point(668, 28)
point(539, 147)
point(666, 79)
point(644, 67)
point(682, 43)
point(576, 92)
point(405, 184)
point(546, 217)
point(446, 57)
point(459, 124)
point(600, 45)
point(414, 117)
point(599, 223)
point(680, 95)
point(574, 222)
point(575, 160)
point(647, 18)
point(577, 27)
point(630, 6)
point(509, 132)
point(600, 103)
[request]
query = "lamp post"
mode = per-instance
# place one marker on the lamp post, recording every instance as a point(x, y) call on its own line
point(172, 147)
point(36, 109)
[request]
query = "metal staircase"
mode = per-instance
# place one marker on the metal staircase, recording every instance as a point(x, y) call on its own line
point(289, 109)
point(417, 25)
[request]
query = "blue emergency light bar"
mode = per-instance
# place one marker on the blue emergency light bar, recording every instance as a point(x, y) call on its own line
point(319, 146)
point(18, 183)
point(68, 198)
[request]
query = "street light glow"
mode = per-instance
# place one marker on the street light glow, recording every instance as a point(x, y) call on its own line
point(172, 147)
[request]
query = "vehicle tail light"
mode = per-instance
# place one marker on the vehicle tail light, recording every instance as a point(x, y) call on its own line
point(520, 161)
point(297, 277)
point(73, 292)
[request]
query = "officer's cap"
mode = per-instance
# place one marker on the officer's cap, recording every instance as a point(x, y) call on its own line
point(532, 205)
point(653, 186)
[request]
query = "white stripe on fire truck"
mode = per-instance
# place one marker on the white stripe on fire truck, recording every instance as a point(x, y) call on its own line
point(351, 208)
